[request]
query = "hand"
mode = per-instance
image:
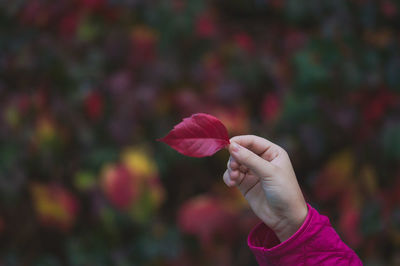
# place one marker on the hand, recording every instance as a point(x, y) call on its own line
point(264, 175)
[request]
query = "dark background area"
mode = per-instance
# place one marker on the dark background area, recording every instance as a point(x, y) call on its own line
point(87, 86)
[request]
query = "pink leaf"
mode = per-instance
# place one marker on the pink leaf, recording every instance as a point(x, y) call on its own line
point(198, 136)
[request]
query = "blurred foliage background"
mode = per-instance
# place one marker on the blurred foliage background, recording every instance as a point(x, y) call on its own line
point(86, 86)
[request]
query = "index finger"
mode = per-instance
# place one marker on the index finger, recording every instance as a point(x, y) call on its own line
point(256, 144)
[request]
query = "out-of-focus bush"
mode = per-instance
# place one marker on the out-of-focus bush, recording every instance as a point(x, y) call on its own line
point(86, 86)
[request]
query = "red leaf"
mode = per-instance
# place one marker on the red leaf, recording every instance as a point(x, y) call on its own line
point(198, 136)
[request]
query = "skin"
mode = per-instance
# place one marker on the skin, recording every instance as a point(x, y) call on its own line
point(263, 173)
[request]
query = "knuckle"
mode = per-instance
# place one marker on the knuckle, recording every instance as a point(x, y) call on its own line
point(247, 156)
point(234, 139)
point(243, 168)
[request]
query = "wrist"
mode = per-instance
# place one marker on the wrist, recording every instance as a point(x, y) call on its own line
point(289, 226)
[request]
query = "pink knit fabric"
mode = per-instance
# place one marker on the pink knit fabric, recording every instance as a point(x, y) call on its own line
point(315, 243)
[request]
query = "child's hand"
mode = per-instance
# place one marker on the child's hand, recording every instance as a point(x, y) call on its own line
point(264, 174)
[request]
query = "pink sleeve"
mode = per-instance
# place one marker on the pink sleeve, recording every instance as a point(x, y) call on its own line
point(315, 243)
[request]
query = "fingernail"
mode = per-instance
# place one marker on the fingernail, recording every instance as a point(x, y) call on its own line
point(235, 147)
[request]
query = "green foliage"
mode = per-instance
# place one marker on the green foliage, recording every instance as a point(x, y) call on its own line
point(87, 86)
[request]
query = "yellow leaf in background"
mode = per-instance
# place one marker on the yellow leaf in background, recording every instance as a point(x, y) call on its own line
point(84, 180)
point(47, 205)
point(395, 235)
point(368, 179)
point(11, 116)
point(157, 192)
point(379, 38)
point(335, 177)
point(342, 164)
point(45, 130)
point(144, 33)
point(152, 196)
point(232, 198)
point(138, 161)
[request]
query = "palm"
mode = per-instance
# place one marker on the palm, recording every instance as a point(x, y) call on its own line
point(252, 190)
point(261, 200)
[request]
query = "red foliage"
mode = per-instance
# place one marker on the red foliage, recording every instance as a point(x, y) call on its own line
point(378, 104)
point(143, 46)
point(121, 186)
point(271, 107)
point(24, 103)
point(244, 42)
point(389, 8)
point(205, 26)
point(91, 4)
point(349, 220)
point(69, 24)
point(235, 119)
point(94, 105)
point(207, 218)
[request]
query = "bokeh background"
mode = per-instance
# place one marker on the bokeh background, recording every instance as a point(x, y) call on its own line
point(87, 86)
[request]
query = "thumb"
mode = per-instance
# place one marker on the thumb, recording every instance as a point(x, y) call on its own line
point(258, 165)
